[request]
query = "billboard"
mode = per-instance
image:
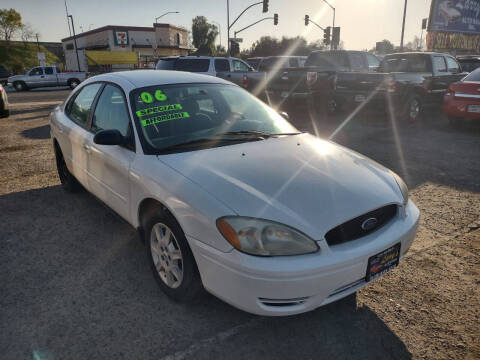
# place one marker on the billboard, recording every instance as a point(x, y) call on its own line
point(457, 16)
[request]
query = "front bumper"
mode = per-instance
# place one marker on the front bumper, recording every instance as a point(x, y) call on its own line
point(278, 286)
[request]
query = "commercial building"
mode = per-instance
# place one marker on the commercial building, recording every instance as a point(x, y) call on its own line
point(454, 26)
point(124, 47)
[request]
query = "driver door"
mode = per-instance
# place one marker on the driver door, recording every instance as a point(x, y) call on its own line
point(35, 78)
point(108, 166)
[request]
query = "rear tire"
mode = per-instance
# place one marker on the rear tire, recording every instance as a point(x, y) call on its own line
point(69, 183)
point(73, 83)
point(413, 109)
point(171, 258)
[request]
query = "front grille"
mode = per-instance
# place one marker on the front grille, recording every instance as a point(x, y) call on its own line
point(352, 229)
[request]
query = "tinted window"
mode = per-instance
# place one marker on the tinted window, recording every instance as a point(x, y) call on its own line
point(373, 62)
point(357, 62)
point(405, 63)
point(293, 62)
point(173, 114)
point(473, 76)
point(452, 65)
point(192, 65)
point(269, 63)
point(328, 60)
point(439, 64)
point(222, 65)
point(111, 111)
point(79, 108)
point(239, 66)
point(48, 70)
point(36, 71)
point(254, 62)
point(166, 64)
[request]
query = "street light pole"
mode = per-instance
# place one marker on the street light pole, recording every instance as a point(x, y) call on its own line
point(75, 42)
point(168, 12)
point(403, 25)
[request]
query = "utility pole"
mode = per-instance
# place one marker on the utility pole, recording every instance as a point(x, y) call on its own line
point(75, 42)
point(403, 25)
point(68, 22)
point(38, 44)
point(228, 28)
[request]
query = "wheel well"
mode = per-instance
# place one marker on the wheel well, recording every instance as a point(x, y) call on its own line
point(69, 81)
point(147, 208)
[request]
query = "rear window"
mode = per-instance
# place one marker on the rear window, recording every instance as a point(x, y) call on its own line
point(473, 76)
point(192, 65)
point(327, 60)
point(268, 64)
point(405, 63)
point(469, 65)
point(166, 64)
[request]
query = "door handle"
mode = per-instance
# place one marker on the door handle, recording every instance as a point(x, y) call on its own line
point(87, 148)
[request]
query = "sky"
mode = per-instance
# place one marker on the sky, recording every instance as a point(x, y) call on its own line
point(362, 22)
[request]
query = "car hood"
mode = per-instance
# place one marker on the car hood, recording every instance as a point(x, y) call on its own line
point(310, 184)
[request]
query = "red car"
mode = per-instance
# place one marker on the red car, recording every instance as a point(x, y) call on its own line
point(462, 99)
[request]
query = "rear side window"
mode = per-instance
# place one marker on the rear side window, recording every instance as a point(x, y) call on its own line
point(166, 64)
point(222, 65)
point(192, 65)
point(111, 111)
point(473, 76)
point(49, 71)
point(293, 62)
point(79, 109)
point(373, 62)
point(239, 66)
point(452, 65)
point(439, 64)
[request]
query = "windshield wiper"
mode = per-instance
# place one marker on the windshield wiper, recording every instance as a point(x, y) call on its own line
point(203, 141)
point(256, 133)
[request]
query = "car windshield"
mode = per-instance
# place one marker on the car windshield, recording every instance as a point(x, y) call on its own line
point(213, 114)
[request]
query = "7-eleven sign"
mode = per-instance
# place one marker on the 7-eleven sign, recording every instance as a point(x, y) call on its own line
point(121, 37)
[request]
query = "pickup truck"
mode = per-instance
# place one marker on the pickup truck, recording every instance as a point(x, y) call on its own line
point(321, 72)
point(46, 76)
point(228, 68)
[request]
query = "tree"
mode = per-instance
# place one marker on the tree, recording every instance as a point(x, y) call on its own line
point(27, 33)
point(10, 23)
point(269, 46)
point(204, 35)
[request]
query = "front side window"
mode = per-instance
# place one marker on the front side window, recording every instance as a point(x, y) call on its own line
point(239, 66)
point(36, 71)
point(111, 111)
point(439, 64)
point(373, 62)
point(171, 115)
point(79, 109)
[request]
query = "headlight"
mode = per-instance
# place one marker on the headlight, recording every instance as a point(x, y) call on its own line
point(403, 187)
point(263, 237)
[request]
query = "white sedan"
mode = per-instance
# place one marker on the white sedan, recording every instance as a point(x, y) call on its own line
point(228, 194)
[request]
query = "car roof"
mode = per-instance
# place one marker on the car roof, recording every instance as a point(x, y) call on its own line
point(141, 78)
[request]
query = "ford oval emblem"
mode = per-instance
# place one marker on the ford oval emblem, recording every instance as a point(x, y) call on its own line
point(369, 224)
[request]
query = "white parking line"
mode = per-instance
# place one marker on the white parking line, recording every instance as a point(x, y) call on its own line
point(218, 338)
point(34, 103)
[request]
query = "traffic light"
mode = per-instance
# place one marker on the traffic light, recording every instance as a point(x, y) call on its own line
point(265, 6)
point(307, 20)
point(326, 36)
point(234, 48)
point(336, 36)
point(275, 19)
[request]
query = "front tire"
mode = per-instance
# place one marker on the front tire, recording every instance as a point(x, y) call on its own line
point(69, 183)
point(73, 83)
point(19, 86)
point(170, 258)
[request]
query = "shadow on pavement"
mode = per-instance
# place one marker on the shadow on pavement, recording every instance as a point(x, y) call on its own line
point(47, 108)
point(37, 133)
point(75, 284)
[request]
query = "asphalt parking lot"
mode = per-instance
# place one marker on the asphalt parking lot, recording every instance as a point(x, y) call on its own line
point(75, 282)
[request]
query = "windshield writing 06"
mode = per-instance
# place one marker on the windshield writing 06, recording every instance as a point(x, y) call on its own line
point(177, 114)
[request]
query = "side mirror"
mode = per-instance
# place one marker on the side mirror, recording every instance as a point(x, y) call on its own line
point(109, 137)
point(284, 115)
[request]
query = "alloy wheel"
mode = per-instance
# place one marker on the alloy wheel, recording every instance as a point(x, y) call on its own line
point(166, 255)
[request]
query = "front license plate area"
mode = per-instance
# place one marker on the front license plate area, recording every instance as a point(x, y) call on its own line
point(473, 108)
point(382, 262)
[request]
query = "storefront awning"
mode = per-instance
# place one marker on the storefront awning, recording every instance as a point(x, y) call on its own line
point(95, 57)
